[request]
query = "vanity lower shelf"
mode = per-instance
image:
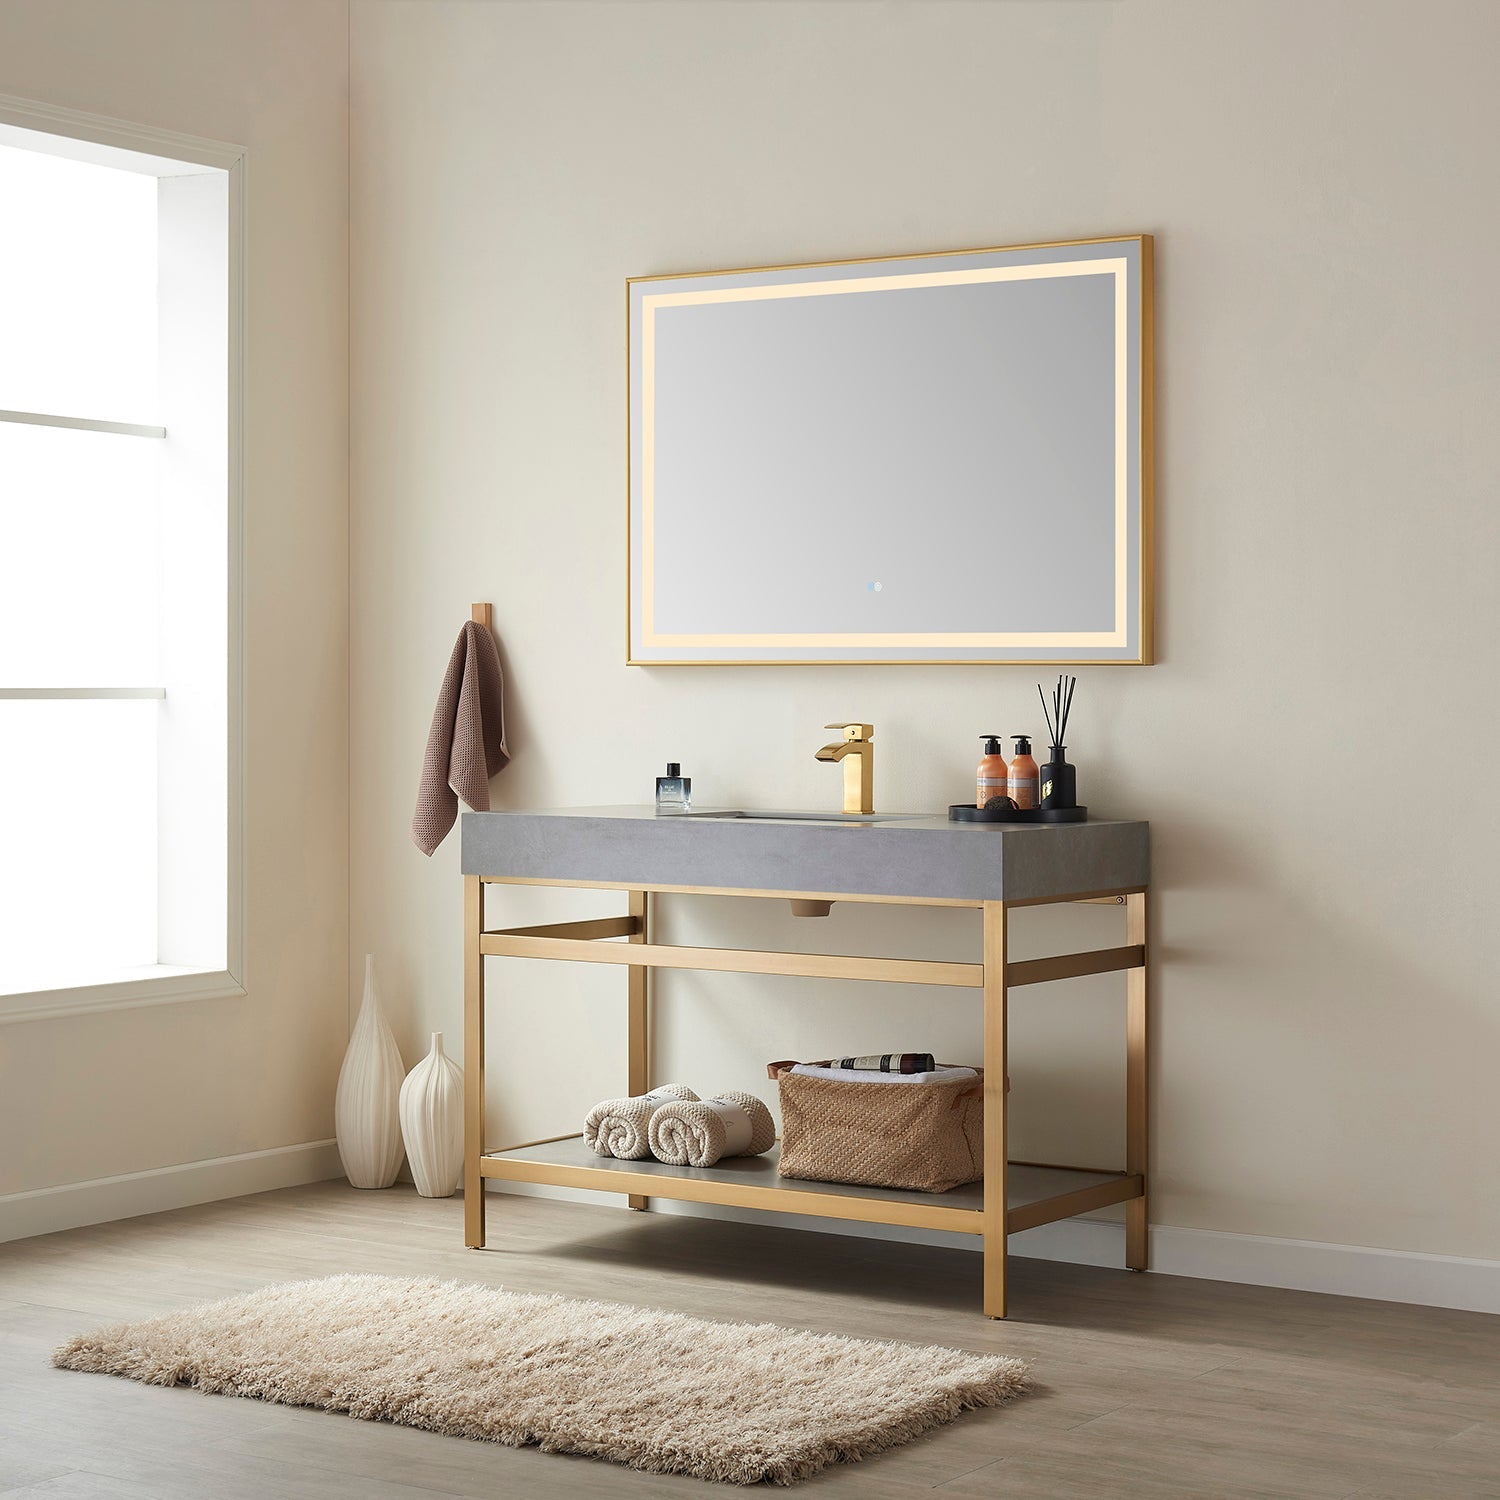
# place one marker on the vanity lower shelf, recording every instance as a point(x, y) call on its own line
point(1035, 1194)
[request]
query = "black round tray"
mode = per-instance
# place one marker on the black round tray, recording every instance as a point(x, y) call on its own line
point(966, 812)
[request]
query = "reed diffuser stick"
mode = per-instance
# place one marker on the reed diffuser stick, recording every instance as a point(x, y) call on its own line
point(1062, 703)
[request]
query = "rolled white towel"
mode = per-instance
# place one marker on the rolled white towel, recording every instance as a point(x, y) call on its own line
point(618, 1127)
point(700, 1132)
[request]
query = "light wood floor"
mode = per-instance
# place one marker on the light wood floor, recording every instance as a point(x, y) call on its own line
point(1147, 1385)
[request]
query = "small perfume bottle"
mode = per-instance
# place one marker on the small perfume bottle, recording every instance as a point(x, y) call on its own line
point(674, 791)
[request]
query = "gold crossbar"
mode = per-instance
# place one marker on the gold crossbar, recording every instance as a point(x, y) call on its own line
point(1080, 1201)
point(1075, 965)
point(591, 929)
point(834, 1204)
point(734, 961)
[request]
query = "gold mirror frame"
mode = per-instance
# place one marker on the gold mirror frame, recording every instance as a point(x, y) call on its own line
point(1133, 628)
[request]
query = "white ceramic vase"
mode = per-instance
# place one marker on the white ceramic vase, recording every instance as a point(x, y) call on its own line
point(366, 1112)
point(432, 1121)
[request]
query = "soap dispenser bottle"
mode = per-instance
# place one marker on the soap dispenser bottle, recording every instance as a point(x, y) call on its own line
point(993, 772)
point(1021, 783)
point(674, 791)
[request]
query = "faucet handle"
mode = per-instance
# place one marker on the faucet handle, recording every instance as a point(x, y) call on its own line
point(854, 733)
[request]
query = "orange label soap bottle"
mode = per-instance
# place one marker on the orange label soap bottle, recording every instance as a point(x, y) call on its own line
point(993, 772)
point(1022, 781)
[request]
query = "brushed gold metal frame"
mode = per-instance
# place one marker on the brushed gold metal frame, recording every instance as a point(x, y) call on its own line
point(1146, 539)
point(594, 940)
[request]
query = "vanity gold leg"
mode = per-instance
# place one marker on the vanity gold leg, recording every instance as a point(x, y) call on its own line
point(1137, 1064)
point(639, 1065)
point(995, 1149)
point(473, 1063)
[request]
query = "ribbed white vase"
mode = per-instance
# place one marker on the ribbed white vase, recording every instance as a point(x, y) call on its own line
point(366, 1110)
point(432, 1121)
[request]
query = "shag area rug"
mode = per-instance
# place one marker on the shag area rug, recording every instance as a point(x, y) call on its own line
point(738, 1402)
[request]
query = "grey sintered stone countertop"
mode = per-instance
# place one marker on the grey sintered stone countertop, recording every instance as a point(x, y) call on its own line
point(905, 856)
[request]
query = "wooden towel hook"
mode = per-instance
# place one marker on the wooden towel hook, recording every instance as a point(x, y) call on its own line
point(483, 614)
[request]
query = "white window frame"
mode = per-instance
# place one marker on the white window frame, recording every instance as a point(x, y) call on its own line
point(167, 984)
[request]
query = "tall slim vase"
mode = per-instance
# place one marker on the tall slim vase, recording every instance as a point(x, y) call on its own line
point(366, 1108)
point(432, 1122)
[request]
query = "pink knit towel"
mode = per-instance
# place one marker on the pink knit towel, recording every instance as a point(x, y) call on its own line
point(466, 744)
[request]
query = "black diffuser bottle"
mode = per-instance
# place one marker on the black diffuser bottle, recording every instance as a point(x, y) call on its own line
point(1059, 788)
point(1059, 779)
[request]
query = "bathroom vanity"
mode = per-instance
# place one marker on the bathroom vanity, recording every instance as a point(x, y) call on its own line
point(815, 858)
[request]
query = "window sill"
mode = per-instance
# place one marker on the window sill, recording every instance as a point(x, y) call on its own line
point(151, 984)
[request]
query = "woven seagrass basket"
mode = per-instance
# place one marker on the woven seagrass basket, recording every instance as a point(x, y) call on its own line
point(923, 1137)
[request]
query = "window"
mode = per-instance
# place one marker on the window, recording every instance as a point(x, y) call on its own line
point(119, 684)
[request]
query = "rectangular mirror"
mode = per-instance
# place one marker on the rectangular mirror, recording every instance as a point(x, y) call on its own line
point(937, 458)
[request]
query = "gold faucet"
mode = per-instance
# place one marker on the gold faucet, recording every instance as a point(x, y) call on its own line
point(858, 756)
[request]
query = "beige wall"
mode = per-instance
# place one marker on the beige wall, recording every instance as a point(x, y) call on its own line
point(96, 1095)
point(1321, 179)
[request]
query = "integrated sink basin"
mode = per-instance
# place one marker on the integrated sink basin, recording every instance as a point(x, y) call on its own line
point(805, 817)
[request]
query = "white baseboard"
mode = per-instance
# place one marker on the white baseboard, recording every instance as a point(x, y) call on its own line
point(1312, 1266)
point(1205, 1254)
point(74, 1204)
